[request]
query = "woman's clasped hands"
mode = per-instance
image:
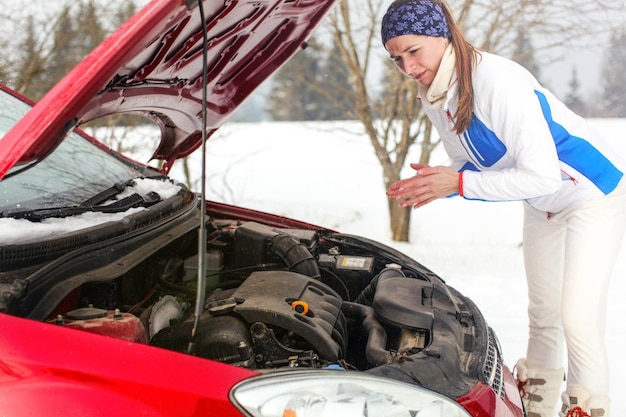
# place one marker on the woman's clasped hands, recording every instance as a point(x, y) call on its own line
point(428, 184)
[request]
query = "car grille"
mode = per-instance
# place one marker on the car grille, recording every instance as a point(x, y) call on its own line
point(492, 369)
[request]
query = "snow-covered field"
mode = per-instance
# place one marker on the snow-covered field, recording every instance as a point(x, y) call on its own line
point(327, 174)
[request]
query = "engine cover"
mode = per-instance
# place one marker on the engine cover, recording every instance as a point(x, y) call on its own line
point(296, 303)
point(274, 319)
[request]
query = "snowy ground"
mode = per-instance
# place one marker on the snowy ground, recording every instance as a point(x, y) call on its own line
point(323, 174)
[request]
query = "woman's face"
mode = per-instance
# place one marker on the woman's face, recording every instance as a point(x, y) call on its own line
point(417, 56)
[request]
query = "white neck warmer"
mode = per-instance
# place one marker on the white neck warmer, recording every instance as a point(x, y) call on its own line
point(435, 95)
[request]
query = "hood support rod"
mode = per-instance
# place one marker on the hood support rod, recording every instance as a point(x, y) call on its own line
point(202, 231)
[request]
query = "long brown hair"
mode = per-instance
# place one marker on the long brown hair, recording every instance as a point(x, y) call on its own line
point(466, 56)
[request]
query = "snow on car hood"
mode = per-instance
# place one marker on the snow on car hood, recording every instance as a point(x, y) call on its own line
point(22, 231)
point(153, 65)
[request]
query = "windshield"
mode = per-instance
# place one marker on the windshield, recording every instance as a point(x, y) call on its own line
point(72, 173)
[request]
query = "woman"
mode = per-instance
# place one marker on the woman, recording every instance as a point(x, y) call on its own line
point(510, 139)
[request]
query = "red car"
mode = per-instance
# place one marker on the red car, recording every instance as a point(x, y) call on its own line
point(124, 293)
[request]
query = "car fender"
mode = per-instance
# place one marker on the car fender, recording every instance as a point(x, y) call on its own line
point(47, 369)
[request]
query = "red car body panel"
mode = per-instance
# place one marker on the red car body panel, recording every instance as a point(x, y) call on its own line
point(481, 402)
point(153, 66)
point(230, 211)
point(131, 379)
point(48, 370)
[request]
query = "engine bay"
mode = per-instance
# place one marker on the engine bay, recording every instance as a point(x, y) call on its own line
point(271, 302)
point(282, 298)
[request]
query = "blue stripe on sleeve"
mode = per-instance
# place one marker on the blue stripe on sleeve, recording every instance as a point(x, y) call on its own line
point(483, 143)
point(580, 154)
point(469, 167)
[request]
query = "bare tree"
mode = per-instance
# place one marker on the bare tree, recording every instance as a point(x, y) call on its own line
point(394, 122)
point(388, 123)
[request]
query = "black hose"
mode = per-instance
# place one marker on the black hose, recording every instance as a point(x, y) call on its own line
point(297, 257)
point(367, 295)
point(375, 348)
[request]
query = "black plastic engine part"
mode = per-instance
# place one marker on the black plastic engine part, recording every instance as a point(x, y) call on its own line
point(256, 244)
point(298, 304)
point(404, 302)
point(224, 339)
point(461, 353)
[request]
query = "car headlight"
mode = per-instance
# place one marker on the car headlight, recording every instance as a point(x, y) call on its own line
point(338, 393)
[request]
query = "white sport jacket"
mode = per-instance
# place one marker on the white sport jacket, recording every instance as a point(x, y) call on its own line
point(523, 143)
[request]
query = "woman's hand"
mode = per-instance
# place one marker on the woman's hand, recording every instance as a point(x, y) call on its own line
point(428, 184)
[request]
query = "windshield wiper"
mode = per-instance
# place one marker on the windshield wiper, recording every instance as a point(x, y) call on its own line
point(107, 194)
point(132, 201)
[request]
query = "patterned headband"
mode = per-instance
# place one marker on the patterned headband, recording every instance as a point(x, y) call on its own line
point(415, 17)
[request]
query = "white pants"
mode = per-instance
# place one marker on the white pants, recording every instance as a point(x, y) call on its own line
point(569, 259)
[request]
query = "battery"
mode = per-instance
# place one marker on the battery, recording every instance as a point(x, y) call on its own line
point(356, 272)
point(355, 263)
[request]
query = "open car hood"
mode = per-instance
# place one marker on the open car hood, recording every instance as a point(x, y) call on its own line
point(153, 65)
